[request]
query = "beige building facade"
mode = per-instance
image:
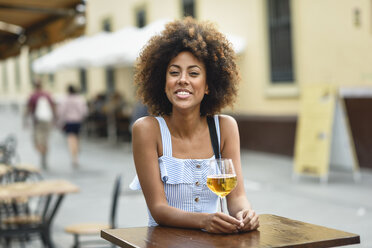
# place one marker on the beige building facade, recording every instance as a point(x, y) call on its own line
point(288, 44)
point(331, 43)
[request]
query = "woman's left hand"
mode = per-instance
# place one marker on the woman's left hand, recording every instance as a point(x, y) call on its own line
point(249, 220)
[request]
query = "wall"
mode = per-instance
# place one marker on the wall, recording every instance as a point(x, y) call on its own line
point(122, 14)
point(331, 44)
point(331, 47)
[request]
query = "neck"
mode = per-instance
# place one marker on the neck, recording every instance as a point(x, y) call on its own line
point(185, 124)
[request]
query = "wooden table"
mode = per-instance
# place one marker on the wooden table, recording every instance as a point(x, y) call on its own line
point(274, 231)
point(54, 192)
point(19, 172)
point(3, 170)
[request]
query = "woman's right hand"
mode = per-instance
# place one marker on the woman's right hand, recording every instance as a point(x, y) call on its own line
point(221, 223)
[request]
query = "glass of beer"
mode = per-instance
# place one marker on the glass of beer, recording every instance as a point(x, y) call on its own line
point(221, 178)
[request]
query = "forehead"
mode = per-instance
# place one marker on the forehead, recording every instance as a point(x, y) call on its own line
point(186, 58)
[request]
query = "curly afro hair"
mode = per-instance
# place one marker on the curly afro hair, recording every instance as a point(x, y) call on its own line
point(208, 45)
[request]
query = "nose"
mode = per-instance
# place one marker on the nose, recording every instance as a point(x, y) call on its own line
point(183, 78)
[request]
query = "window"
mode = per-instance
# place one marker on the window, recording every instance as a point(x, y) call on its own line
point(106, 25)
point(110, 80)
point(141, 18)
point(51, 75)
point(109, 72)
point(17, 74)
point(83, 80)
point(188, 8)
point(280, 41)
point(5, 77)
point(31, 72)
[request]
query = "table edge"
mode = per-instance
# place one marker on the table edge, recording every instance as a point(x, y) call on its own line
point(116, 241)
point(351, 239)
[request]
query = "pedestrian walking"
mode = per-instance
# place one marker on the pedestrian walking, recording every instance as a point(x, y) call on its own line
point(41, 108)
point(71, 113)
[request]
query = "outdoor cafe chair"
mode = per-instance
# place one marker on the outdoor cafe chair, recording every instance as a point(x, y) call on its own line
point(19, 216)
point(18, 173)
point(89, 229)
point(8, 153)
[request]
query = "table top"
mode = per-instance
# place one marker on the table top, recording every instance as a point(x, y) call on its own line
point(274, 231)
point(39, 188)
point(4, 169)
point(20, 167)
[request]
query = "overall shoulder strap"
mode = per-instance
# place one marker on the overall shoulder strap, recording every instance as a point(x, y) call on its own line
point(165, 137)
point(213, 134)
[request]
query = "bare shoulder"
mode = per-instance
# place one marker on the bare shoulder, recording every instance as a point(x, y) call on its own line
point(229, 136)
point(227, 122)
point(146, 133)
point(146, 126)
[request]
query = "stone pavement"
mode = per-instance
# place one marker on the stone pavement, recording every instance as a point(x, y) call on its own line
point(341, 204)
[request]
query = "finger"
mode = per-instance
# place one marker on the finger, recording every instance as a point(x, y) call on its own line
point(229, 219)
point(226, 224)
point(250, 214)
point(247, 217)
point(217, 227)
point(253, 223)
point(227, 227)
point(218, 224)
point(239, 216)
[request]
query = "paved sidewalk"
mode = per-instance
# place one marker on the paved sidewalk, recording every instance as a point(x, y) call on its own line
point(341, 204)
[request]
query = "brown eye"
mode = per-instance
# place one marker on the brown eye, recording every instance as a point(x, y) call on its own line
point(173, 73)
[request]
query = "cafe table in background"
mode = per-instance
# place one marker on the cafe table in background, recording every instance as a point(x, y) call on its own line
point(22, 224)
point(274, 231)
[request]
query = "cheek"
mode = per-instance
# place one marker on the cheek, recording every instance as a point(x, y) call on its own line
point(168, 89)
point(168, 85)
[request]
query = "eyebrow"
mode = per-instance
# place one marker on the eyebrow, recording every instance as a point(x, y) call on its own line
point(189, 67)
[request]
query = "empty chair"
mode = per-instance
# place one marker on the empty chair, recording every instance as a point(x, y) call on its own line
point(8, 153)
point(25, 217)
point(86, 229)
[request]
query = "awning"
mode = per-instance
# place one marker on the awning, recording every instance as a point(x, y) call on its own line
point(117, 49)
point(38, 23)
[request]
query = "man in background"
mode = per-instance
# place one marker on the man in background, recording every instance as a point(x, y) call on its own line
point(41, 107)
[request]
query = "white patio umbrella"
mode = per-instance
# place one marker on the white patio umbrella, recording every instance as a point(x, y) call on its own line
point(120, 48)
point(116, 52)
point(75, 54)
point(125, 45)
point(88, 51)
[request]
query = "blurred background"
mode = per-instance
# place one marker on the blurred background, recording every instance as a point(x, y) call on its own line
point(282, 46)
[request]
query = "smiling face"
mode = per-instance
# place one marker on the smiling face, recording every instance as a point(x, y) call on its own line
point(186, 81)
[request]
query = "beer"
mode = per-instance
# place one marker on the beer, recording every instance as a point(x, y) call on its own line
point(223, 184)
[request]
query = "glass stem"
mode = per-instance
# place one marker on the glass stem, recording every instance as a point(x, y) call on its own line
point(223, 209)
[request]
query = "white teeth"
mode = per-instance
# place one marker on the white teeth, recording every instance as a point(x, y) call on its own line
point(183, 93)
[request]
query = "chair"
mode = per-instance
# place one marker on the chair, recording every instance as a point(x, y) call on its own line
point(25, 217)
point(8, 153)
point(86, 229)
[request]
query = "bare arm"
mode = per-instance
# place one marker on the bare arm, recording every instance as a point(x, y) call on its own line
point(237, 201)
point(146, 143)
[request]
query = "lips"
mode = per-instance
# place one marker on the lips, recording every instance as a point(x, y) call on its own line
point(182, 92)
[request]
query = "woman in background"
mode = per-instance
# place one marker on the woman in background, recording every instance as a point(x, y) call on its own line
point(71, 113)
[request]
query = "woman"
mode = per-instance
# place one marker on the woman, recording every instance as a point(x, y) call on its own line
point(184, 74)
point(71, 113)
